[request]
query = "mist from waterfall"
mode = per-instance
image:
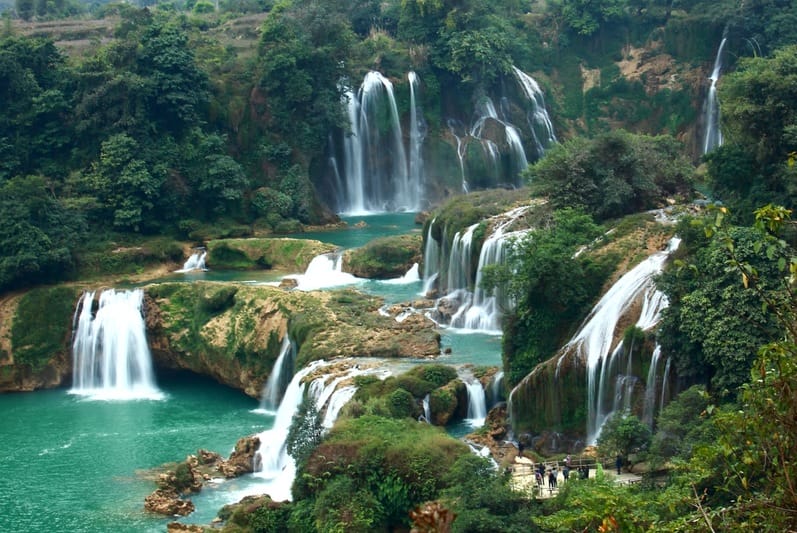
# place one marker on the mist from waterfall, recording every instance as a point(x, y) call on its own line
point(111, 357)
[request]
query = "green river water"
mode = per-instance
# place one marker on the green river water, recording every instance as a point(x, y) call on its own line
point(68, 464)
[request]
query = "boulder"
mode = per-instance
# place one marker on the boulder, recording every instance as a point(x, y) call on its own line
point(241, 460)
point(168, 502)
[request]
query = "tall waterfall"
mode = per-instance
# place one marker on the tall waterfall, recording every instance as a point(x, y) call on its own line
point(477, 403)
point(713, 136)
point(538, 120)
point(593, 342)
point(376, 175)
point(417, 135)
point(280, 376)
point(110, 354)
point(496, 387)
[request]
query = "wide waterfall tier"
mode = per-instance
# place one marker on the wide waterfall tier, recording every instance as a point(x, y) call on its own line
point(110, 354)
point(465, 304)
point(376, 174)
point(713, 134)
point(330, 386)
point(596, 365)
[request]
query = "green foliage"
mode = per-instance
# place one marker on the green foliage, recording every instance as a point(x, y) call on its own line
point(37, 233)
point(183, 477)
point(305, 432)
point(616, 173)
point(551, 285)
point(393, 464)
point(482, 499)
point(270, 518)
point(680, 425)
point(438, 375)
point(41, 325)
point(624, 434)
point(759, 116)
point(402, 404)
point(341, 508)
point(713, 328)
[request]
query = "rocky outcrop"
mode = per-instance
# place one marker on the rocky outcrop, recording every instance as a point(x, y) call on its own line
point(168, 502)
point(290, 255)
point(35, 329)
point(233, 333)
point(385, 258)
point(189, 476)
point(242, 459)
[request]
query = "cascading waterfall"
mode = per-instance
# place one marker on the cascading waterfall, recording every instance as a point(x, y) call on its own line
point(459, 260)
point(110, 353)
point(417, 134)
point(195, 262)
point(272, 461)
point(431, 260)
point(486, 110)
point(593, 342)
point(376, 175)
point(538, 120)
point(713, 136)
point(477, 403)
point(280, 376)
point(483, 312)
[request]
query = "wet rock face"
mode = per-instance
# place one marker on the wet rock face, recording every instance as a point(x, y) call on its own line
point(241, 460)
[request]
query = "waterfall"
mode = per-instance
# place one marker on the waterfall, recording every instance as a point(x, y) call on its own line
point(538, 120)
point(486, 110)
point(459, 260)
point(324, 271)
point(272, 461)
point(480, 310)
point(593, 342)
point(495, 390)
point(431, 261)
point(713, 137)
point(650, 388)
point(195, 262)
point(461, 147)
point(477, 403)
point(427, 409)
point(417, 135)
point(375, 168)
point(110, 354)
point(411, 276)
point(280, 376)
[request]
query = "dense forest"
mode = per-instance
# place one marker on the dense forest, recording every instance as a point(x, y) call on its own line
point(174, 123)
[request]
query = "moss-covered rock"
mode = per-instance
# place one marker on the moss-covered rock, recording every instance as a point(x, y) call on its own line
point(34, 338)
point(292, 255)
point(388, 257)
point(234, 333)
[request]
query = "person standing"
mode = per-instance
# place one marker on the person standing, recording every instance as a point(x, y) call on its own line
point(618, 463)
